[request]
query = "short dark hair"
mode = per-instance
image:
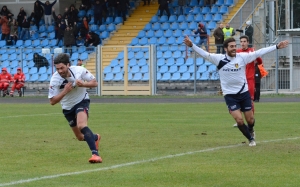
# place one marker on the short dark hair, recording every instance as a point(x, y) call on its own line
point(246, 37)
point(62, 58)
point(228, 40)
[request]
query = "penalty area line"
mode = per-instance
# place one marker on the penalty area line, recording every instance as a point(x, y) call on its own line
point(135, 163)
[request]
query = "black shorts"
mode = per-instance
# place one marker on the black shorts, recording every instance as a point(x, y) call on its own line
point(70, 115)
point(238, 101)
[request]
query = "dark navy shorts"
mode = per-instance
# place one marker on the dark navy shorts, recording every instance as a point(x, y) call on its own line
point(70, 115)
point(238, 101)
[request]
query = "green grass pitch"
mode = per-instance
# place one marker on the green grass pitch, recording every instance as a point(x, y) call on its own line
point(150, 145)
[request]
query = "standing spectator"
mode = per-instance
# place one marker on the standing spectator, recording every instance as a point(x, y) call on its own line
point(164, 6)
point(4, 28)
point(86, 4)
point(47, 9)
point(38, 14)
point(69, 38)
point(5, 12)
point(61, 31)
point(19, 81)
point(84, 30)
point(181, 4)
point(40, 61)
point(249, 32)
point(92, 39)
point(111, 6)
point(57, 20)
point(148, 2)
point(210, 2)
point(80, 63)
point(25, 28)
point(13, 30)
point(5, 79)
point(73, 15)
point(104, 9)
point(203, 35)
point(219, 38)
point(257, 83)
point(228, 31)
point(97, 13)
point(20, 19)
point(122, 6)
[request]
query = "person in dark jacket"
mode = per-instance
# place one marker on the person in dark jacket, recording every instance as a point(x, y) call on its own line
point(40, 61)
point(203, 35)
point(57, 20)
point(249, 32)
point(122, 6)
point(257, 83)
point(20, 19)
point(219, 38)
point(61, 31)
point(164, 6)
point(145, 2)
point(5, 12)
point(69, 38)
point(92, 39)
point(25, 28)
point(86, 4)
point(5, 28)
point(38, 14)
point(111, 7)
point(72, 15)
point(47, 9)
point(97, 13)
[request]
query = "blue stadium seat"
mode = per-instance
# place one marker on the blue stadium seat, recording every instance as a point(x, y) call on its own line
point(34, 77)
point(134, 69)
point(81, 49)
point(141, 34)
point(177, 54)
point(156, 26)
point(177, 33)
point(148, 27)
point(118, 20)
point(42, 70)
point(193, 3)
point(10, 50)
point(25, 70)
point(134, 41)
point(159, 33)
point(52, 43)
point(180, 61)
point(189, 62)
point(137, 76)
point(143, 41)
point(163, 69)
point(229, 3)
point(81, 13)
point(130, 55)
point(173, 69)
point(223, 10)
point(3, 50)
point(150, 34)
point(173, 48)
point(163, 19)
point(180, 40)
point(187, 10)
point(108, 77)
point(183, 26)
point(219, 2)
point(212, 68)
point(94, 28)
point(90, 12)
point(4, 57)
point(174, 26)
point(158, 76)
point(119, 77)
point(37, 50)
point(117, 69)
point(187, 32)
point(111, 27)
point(144, 69)
point(30, 64)
point(165, 26)
point(172, 19)
point(198, 18)
point(5, 63)
point(107, 69)
point(193, 25)
point(199, 61)
point(186, 76)
point(84, 56)
point(36, 43)
point(75, 56)
point(142, 62)
point(152, 41)
point(217, 17)
point(42, 29)
point(214, 9)
point(154, 19)
point(168, 33)
point(132, 62)
point(166, 77)
point(204, 76)
point(27, 43)
point(104, 35)
point(202, 68)
point(33, 70)
point(102, 28)
point(44, 43)
point(139, 55)
point(162, 41)
point(114, 63)
point(208, 17)
point(205, 10)
point(160, 62)
point(145, 77)
point(191, 69)
point(171, 40)
point(92, 21)
point(2, 43)
point(180, 19)
point(50, 29)
point(109, 20)
point(183, 69)
point(12, 57)
point(167, 54)
point(175, 76)
point(211, 25)
point(33, 28)
point(43, 78)
point(196, 10)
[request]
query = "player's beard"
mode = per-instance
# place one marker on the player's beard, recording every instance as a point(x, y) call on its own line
point(232, 53)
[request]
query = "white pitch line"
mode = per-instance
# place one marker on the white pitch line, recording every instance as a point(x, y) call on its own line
point(18, 116)
point(134, 163)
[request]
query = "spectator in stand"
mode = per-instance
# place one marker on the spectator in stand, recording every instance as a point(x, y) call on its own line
point(92, 39)
point(69, 38)
point(47, 9)
point(228, 31)
point(5, 12)
point(25, 28)
point(104, 8)
point(4, 28)
point(219, 38)
point(164, 6)
point(210, 2)
point(73, 15)
point(86, 4)
point(19, 81)
point(38, 14)
point(111, 7)
point(97, 13)
point(249, 32)
point(257, 83)
point(80, 63)
point(181, 4)
point(5, 79)
point(84, 30)
point(122, 6)
point(13, 30)
point(65, 16)
point(203, 35)
point(40, 61)
point(20, 19)
point(57, 20)
point(61, 31)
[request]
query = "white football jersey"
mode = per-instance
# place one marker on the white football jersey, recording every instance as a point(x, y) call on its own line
point(57, 84)
point(232, 69)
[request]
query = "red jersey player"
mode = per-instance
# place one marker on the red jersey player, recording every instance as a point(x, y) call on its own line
point(19, 81)
point(5, 79)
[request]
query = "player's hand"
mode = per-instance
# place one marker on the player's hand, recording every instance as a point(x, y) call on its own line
point(188, 42)
point(68, 87)
point(282, 44)
point(79, 83)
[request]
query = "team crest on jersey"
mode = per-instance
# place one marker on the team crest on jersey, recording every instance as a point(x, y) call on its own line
point(236, 65)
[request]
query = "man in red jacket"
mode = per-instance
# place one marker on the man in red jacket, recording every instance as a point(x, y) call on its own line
point(250, 69)
point(5, 79)
point(19, 81)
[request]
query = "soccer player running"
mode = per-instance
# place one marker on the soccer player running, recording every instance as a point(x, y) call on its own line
point(68, 86)
point(250, 71)
point(231, 66)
